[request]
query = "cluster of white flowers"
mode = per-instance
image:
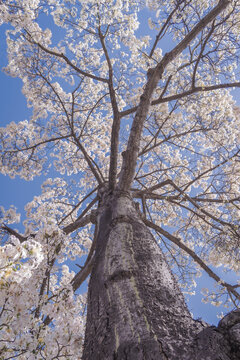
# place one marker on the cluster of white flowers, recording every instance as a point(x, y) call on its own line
point(22, 270)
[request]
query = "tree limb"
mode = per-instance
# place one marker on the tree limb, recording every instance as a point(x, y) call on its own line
point(159, 35)
point(88, 160)
point(116, 119)
point(65, 58)
point(78, 204)
point(14, 233)
point(194, 256)
point(139, 194)
point(195, 90)
point(130, 159)
point(191, 91)
point(81, 221)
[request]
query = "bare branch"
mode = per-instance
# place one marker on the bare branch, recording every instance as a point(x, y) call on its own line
point(65, 58)
point(14, 233)
point(40, 143)
point(195, 90)
point(116, 119)
point(78, 204)
point(164, 27)
point(191, 91)
point(81, 276)
point(139, 194)
point(89, 161)
point(83, 221)
point(194, 256)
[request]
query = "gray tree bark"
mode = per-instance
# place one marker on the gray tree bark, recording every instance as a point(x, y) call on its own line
point(136, 310)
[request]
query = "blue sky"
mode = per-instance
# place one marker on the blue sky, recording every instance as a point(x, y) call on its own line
point(18, 192)
point(13, 107)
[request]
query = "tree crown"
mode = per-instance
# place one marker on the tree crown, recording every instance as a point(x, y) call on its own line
point(112, 110)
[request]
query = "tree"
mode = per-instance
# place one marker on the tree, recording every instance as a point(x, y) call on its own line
point(143, 148)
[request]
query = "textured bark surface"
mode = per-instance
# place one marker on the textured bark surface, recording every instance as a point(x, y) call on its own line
point(135, 308)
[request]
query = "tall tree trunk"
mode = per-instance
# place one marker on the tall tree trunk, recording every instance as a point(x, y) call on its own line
point(135, 308)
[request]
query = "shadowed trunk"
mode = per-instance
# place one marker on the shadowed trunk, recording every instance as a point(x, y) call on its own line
point(135, 308)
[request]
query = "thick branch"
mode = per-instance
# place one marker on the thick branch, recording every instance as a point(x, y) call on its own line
point(81, 276)
point(130, 158)
point(78, 279)
point(194, 90)
point(116, 120)
point(138, 194)
point(14, 233)
point(222, 4)
point(81, 221)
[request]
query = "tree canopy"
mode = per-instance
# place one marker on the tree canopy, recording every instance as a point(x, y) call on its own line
point(128, 95)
